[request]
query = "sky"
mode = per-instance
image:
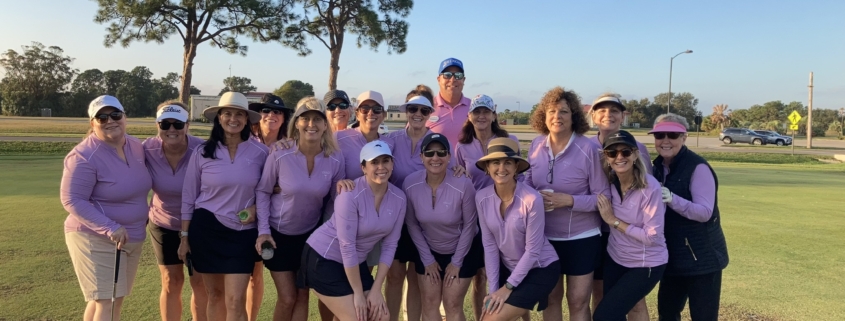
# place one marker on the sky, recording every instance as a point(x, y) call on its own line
point(744, 52)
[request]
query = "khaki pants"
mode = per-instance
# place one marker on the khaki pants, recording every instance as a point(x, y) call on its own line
point(93, 261)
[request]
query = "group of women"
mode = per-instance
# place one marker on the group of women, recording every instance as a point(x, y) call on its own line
point(294, 191)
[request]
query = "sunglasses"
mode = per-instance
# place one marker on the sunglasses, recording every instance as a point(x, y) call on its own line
point(670, 135)
point(177, 125)
point(448, 75)
point(440, 153)
point(103, 118)
point(267, 111)
point(425, 111)
point(613, 153)
point(551, 175)
point(332, 107)
point(376, 109)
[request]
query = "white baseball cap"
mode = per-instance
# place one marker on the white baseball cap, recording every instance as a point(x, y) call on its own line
point(417, 100)
point(482, 101)
point(375, 149)
point(103, 102)
point(172, 111)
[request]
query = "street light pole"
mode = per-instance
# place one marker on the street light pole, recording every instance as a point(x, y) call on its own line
point(669, 100)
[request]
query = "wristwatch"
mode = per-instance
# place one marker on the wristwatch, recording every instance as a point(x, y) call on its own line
point(508, 286)
point(183, 234)
point(616, 224)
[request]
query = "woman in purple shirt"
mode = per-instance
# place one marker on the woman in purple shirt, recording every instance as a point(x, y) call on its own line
point(275, 119)
point(636, 251)
point(167, 158)
point(566, 168)
point(334, 259)
point(104, 190)
point(442, 222)
point(517, 254)
point(219, 184)
point(305, 175)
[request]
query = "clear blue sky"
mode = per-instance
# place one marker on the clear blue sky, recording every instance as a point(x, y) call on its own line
point(745, 52)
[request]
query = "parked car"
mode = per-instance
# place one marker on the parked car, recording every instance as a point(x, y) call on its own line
point(773, 137)
point(742, 135)
point(383, 129)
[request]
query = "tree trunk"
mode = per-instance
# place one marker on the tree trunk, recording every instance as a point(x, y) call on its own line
point(333, 68)
point(188, 63)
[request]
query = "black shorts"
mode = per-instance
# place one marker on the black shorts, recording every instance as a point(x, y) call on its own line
point(598, 274)
point(328, 277)
point(468, 269)
point(406, 251)
point(165, 244)
point(288, 251)
point(476, 256)
point(216, 248)
point(578, 257)
point(535, 287)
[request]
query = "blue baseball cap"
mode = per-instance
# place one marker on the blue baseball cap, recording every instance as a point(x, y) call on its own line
point(449, 62)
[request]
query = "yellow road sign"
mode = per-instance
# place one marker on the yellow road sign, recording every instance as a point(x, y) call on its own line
point(794, 117)
point(793, 127)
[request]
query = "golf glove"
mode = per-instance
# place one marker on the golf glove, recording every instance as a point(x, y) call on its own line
point(667, 195)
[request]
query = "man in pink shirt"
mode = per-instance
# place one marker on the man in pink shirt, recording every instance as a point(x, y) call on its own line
point(451, 108)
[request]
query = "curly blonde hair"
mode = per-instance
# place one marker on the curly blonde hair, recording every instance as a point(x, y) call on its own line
point(552, 98)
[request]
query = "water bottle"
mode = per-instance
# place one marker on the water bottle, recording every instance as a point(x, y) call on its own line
point(243, 215)
point(266, 250)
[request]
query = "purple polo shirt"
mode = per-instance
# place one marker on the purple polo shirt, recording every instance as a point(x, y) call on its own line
point(577, 172)
point(351, 141)
point(448, 120)
point(517, 241)
point(361, 226)
point(640, 147)
point(643, 243)
point(166, 204)
point(703, 191)
point(297, 209)
point(467, 154)
point(102, 193)
point(224, 186)
point(445, 224)
point(406, 157)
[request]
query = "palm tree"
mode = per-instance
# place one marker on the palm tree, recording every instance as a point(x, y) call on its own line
point(719, 117)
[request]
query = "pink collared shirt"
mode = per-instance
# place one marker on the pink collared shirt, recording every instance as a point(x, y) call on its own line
point(518, 240)
point(443, 221)
point(166, 203)
point(297, 209)
point(351, 141)
point(224, 186)
point(643, 243)
point(467, 154)
point(448, 120)
point(357, 226)
point(102, 192)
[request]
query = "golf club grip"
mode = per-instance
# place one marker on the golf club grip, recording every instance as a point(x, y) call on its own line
point(116, 265)
point(190, 264)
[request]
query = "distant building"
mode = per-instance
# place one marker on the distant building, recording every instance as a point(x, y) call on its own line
point(626, 115)
point(394, 115)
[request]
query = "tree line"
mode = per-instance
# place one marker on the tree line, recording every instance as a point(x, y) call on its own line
point(773, 115)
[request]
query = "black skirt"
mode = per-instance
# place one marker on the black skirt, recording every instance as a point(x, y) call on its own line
point(470, 265)
point(216, 248)
point(328, 277)
point(288, 251)
point(406, 251)
point(535, 287)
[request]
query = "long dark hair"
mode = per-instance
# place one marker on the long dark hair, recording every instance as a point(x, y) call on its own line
point(468, 131)
point(219, 136)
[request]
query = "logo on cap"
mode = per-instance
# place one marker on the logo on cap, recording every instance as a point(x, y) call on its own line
point(435, 136)
point(276, 101)
point(171, 109)
point(618, 135)
point(377, 145)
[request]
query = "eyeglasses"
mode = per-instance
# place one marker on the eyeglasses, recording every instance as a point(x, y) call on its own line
point(440, 153)
point(425, 111)
point(376, 109)
point(103, 118)
point(551, 175)
point(267, 111)
point(448, 75)
point(332, 107)
point(177, 125)
point(670, 135)
point(612, 153)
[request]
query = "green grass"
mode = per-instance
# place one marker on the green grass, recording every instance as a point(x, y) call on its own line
point(783, 224)
point(77, 127)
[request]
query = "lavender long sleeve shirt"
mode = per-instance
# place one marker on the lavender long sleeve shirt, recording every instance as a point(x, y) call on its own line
point(640, 147)
point(518, 239)
point(467, 154)
point(406, 157)
point(224, 186)
point(443, 221)
point(297, 209)
point(643, 243)
point(703, 191)
point(102, 192)
point(577, 172)
point(357, 226)
point(351, 141)
point(448, 120)
point(166, 204)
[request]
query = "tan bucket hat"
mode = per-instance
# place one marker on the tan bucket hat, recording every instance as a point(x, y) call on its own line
point(234, 100)
point(503, 147)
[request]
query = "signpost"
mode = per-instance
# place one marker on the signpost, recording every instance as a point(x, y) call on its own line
point(794, 118)
point(697, 121)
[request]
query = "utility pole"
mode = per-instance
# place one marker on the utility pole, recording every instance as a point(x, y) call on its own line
point(810, 115)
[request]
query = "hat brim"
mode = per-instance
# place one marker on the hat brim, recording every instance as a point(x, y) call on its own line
point(522, 165)
point(621, 106)
point(256, 107)
point(211, 112)
point(622, 143)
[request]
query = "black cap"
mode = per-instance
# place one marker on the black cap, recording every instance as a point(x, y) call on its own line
point(271, 101)
point(435, 137)
point(332, 94)
point(619, 137)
